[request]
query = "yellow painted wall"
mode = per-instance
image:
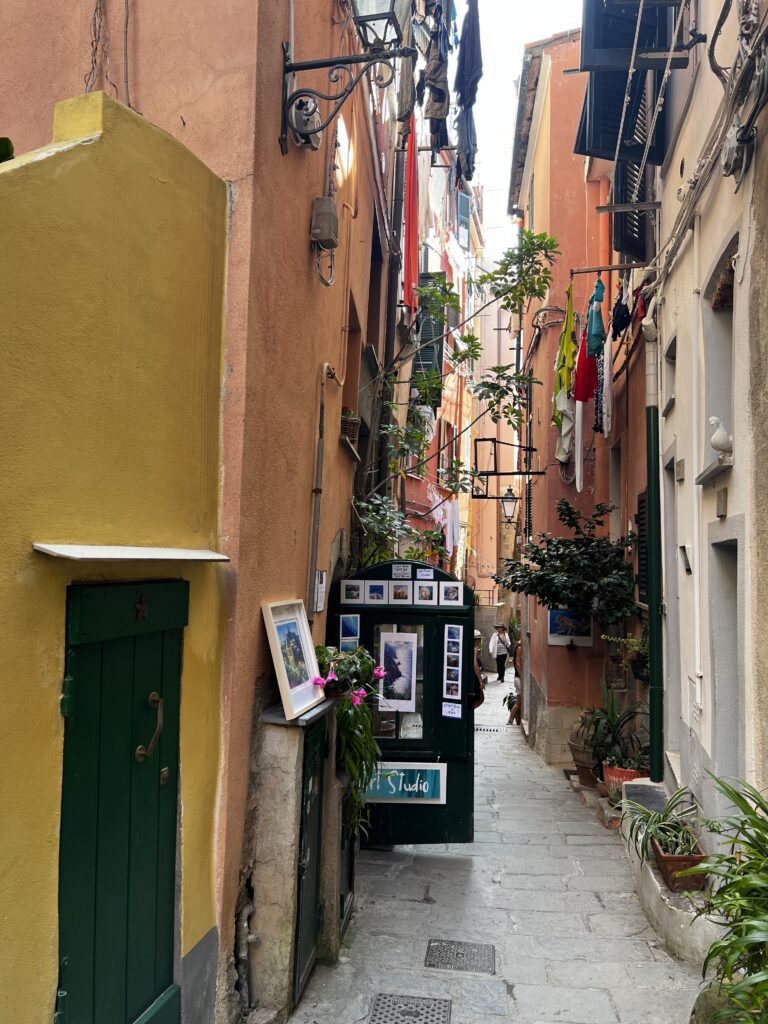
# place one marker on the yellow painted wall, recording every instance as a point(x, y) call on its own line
point(111, 285)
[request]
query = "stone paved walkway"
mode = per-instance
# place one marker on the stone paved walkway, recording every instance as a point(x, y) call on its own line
point(544, 882)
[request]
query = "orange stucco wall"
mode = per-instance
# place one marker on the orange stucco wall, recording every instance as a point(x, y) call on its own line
point(211, 75)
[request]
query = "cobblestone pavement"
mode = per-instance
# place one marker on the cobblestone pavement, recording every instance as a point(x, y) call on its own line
point(543, 882)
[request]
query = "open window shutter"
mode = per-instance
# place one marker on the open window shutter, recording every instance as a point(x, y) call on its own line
point(630, 230)
point(642, 547)
point(462, 218)
point(601, 117)
point(608, 33)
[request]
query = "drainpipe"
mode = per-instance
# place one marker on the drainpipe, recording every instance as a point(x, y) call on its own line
point(655, 692)
point(696, 448)
point(393, 283)
point(326, 373)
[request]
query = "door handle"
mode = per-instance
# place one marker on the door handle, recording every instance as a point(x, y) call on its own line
point(155, 701)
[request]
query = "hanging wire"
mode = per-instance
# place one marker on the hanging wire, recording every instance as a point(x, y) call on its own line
point(627, 91)
point(659, 100)
point(99, 44)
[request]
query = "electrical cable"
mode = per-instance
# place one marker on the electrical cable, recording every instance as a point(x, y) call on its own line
point(659, 100)
point(627, 92)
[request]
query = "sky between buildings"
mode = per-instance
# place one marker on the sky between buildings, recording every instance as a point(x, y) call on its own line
point(506, 26)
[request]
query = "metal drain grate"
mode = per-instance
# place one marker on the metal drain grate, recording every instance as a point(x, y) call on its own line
point(492, 728)
point(389, 1009)
point(460, 956)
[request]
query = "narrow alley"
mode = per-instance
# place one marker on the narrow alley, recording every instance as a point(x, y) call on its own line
point(544, 883)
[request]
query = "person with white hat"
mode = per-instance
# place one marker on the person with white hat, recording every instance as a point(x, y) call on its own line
point(500, 647)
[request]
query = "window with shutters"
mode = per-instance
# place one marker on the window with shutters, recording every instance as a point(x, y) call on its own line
point(446, 441)
point(642, 547)
point(630, 229)
point(608, 34)
point(462, 219)
point(600, 119)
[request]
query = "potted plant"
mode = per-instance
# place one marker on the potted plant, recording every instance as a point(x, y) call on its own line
point(632, 653)
point(739, 902)
point(350, 424)
point(619, 769)
point(672, 836)
point(608, 732)
point(581, 750)
point(348, 676)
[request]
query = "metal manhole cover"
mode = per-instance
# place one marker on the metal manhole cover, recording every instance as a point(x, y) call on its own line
point(388, 1009)
point(460, 956)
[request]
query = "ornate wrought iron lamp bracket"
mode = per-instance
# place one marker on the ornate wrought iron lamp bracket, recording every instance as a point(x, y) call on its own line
point(342, 81)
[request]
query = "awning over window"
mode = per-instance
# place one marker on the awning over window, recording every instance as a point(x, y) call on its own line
point(608, 33)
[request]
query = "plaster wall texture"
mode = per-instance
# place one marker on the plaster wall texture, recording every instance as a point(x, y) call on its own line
point(758, 498)
point(563, 206)
point(725, 227)
point(113, 271)
point(213, 78)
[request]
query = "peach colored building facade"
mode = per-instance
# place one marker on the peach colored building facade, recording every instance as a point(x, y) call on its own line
point(211, 76)
point(555, 192)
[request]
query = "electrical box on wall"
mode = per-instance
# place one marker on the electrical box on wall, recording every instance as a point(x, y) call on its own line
point(325, 223)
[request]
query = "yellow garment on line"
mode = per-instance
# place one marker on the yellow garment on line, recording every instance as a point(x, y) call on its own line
point(566, 357)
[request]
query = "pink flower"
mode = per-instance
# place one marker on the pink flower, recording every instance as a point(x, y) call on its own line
point(356, 699)
point(361, 694)
point(379, 672)
point(318, 681)
point(331, 676)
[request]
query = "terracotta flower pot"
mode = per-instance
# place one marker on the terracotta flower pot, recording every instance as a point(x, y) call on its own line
point(582, 756)
point(617, 776)
point(670, 864)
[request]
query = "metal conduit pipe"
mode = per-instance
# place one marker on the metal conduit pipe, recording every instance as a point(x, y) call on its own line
point(326, 373)
point(653, 492)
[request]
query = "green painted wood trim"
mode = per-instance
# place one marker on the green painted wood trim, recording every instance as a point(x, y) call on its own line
point(166, 1009)
point(107, 611)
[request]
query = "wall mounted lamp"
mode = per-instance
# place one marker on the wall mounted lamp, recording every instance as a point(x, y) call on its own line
point(380, 33)
point(509, 504)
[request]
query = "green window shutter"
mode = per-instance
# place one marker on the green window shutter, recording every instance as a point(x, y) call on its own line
point(462, 219)
point(601, 117)
point(630, 230)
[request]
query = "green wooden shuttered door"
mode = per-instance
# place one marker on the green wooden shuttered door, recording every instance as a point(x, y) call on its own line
point(118, 829)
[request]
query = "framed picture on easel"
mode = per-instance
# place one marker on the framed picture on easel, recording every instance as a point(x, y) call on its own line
point(293, 654)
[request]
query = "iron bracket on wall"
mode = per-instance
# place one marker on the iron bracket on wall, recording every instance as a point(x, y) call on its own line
point(342, 83)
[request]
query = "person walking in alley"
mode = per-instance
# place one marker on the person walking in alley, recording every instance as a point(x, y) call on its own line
point(500, 647)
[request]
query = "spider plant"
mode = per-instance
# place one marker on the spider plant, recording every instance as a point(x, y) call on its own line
point(739, 901)
point(673, 828)
point(608, 730)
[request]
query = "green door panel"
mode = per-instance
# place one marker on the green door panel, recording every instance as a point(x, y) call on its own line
point(104, 612)
point(118, 832)
point(308, 919)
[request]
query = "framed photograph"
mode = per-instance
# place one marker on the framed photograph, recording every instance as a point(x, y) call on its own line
point(452, 647)
point(397, 656)
point(376, 592)
point(352, 592)
point(452, 662)
point(349, 628)
point(400, 592)
point(349, 644)
point(453, 633)
point(452, 594)
point(452, 690)
point(293, 654)
point(425, 592)
point(566, 628)
point(452, 675)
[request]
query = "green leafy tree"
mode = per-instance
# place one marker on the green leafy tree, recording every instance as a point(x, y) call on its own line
point(586, 573)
